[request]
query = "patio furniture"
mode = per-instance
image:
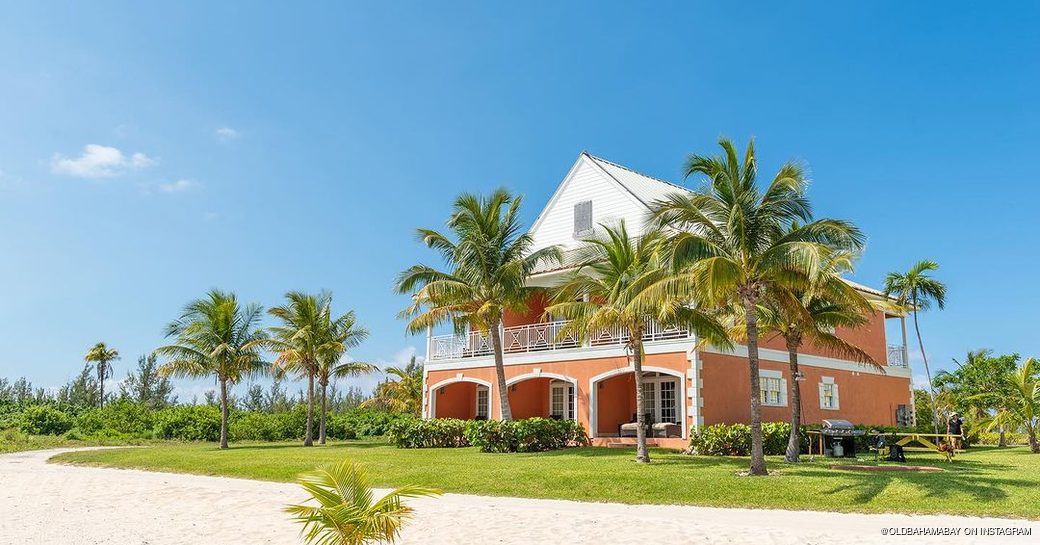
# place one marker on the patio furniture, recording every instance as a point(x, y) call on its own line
point(666, 429)
point(631, 429)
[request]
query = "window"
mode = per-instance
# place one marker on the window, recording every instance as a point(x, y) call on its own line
point(669, 407)
point(561, 400)
point(482, 403)
point(773, 391)
point(649, 399)
point(583, 219)
point(828, 394)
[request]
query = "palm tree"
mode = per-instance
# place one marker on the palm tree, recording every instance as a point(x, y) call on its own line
point(609, 291)
point(734, 244)
point(300, 342)
point(917, 290)
point(347, 512)
point(813, 314)
point(102, 356)
point(343, 333)
point(979, 384)
point(215, 336)
point(403, 395)
point(489, 258)
point(1021, 409)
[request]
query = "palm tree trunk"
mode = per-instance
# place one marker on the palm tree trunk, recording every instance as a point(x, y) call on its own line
point(101, 383)
point(794, 442)
point(223, 413)
point(500, 371)
point(1003, 438)
point(1034, 445)
point(324, 409)
point(642, 454)
point(308, 437)
point(758, 459)
point(927, 373)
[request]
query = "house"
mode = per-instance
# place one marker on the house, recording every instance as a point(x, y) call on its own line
point(686, 386)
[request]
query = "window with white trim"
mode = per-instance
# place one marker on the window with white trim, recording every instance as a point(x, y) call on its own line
point(483, 402)
point(649, 398)
point(561, 400)
point(669, 407)
point(828, 394)
point(772, 388)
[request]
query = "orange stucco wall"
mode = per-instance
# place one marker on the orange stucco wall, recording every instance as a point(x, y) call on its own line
point(535, 310)
point(616, 400)
point(864, 397)
point(870, 337)
point(529, 398)
point(579, 370)
point(456, 400)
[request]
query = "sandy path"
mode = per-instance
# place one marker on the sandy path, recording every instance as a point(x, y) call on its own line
point(49, 504)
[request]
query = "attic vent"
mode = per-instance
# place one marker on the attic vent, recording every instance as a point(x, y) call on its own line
point(583, 219)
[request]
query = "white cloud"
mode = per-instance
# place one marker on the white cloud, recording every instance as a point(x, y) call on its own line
point(99, 161)
point(179, 186)
point(225, 134)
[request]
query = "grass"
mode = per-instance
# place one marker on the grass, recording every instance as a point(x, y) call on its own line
point(16, 441)
point(984, 481)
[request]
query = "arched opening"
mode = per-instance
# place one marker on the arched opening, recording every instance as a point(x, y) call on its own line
point(546, 396)
point(466, 399)
point(614, 409)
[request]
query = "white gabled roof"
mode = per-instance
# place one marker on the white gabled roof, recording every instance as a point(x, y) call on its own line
point(645, 188)
point(631, 194)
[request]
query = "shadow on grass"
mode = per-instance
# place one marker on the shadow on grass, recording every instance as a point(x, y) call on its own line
point(866, 486)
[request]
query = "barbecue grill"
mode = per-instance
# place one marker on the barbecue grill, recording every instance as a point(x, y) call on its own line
point(839, 437)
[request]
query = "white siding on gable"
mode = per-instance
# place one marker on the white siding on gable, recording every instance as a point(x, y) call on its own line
point(610, 204)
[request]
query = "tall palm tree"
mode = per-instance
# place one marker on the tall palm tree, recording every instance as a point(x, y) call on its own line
point(734, 244)
point(814, 314)
point(347, 512)
point(215, 336)
point(1021, 409)
point(488, 257)
point(609, 291)
point(917, 290)
point(300, 342)
point(102, 356)
point(343, 333)
point(403, 395)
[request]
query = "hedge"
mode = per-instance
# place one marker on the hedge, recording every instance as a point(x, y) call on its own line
point(735, 439)
point(529, 435)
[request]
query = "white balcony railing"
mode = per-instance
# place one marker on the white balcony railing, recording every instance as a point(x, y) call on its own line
point(897, 356)
point(539, 337)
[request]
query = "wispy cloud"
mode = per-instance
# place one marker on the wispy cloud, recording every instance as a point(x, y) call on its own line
point(97, 161)
point(179, 186)
point(225, 134)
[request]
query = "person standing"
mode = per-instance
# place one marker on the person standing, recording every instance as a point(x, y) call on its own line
point(954, 427)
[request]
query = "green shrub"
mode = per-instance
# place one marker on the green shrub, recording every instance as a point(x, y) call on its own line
point(491, 435)
point(119, 418)
point(529, 435)
point(364, 422)
point(188, 422)
point(44, 420)
point(432, 433)
point(993, 438)
point(735, 439)
point(260, 426)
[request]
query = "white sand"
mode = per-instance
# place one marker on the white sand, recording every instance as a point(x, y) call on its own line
point(50, 504)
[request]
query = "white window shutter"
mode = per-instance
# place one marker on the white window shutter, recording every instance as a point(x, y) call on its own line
point(837, 400)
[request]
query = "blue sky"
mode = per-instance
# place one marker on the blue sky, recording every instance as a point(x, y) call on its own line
point(262, 149)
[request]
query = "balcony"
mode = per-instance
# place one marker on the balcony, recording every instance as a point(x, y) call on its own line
point(540, 337)
point(897, 356)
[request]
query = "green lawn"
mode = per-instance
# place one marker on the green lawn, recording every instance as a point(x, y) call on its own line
point(985, 481)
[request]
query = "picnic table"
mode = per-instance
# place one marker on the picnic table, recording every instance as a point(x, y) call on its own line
point(923, 442)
